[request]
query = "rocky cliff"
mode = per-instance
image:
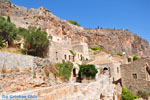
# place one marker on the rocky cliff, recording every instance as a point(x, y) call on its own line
point(111, 40)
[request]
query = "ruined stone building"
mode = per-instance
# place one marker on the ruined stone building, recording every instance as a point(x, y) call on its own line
point(136, 76)
point(61, 48)
point(106, 64)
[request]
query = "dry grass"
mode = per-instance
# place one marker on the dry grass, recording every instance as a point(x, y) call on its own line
point(37, 63)
point(62, 78)
point(34, 74)
point(3, 70)
point(54, 69)
point(27, 69)
point(7, 71)
point(46, 70)
point(11, 50)
point(17, 69)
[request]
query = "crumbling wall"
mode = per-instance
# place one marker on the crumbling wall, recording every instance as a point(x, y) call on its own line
point(133, 76)
point(21, 73)
point(21, 62)
point(101, 89)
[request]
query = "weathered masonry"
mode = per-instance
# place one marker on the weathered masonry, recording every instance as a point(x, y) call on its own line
point(136, 76)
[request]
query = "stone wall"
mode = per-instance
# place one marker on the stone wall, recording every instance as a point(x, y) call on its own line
point(22, 73)
point(101, 89)
point(61, 51)
point(58, 51)
point(133, 76)
point(115, 71)
point(21, 62)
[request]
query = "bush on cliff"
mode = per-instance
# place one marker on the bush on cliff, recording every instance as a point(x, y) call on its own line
point(88, 71)
point(135, 58)
point(129, 59)
point(35, 41)
point(73, 22)
point(128, 95)
point(120, 54)
point(65, 69)
point(95, 48)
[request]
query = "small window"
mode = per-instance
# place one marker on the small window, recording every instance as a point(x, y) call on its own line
point(73, 59)
point(69, 57)
point(65, 56)
point(81, 57)
point(135, 76)
point(117, 69)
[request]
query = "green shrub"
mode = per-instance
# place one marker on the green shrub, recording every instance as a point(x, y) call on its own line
point(128, 95)
point(65, 69)
point(95, 48)
point(135, 58)
point(88, 70)
point(129, 59)
point(144, 94)
point(95, 53)
point(73, 22)
point(120, 54)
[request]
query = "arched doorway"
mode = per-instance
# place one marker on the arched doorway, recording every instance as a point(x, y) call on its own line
point(74, 72)
point(105, 69)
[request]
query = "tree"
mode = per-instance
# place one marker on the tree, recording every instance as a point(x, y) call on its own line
point(8, 31)
point(35, 41)
point(8, 19)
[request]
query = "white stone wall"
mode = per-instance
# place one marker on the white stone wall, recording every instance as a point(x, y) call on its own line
point(13, 61)
point(81, 47)
point(115, 71)
point(77, 91)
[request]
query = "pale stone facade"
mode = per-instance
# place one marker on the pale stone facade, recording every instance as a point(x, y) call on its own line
point(59, 50)
point(136, 76)
point(106, 64)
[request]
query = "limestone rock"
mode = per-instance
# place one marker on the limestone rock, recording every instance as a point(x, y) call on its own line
point(111, 40)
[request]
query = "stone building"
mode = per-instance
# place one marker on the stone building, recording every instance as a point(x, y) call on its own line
point(136, 76)
point(61, 48)
point(106, 64)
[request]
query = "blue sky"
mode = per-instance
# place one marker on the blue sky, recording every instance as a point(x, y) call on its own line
point(122, 14)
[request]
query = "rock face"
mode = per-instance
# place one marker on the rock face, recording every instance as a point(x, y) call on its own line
point(111, 40)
